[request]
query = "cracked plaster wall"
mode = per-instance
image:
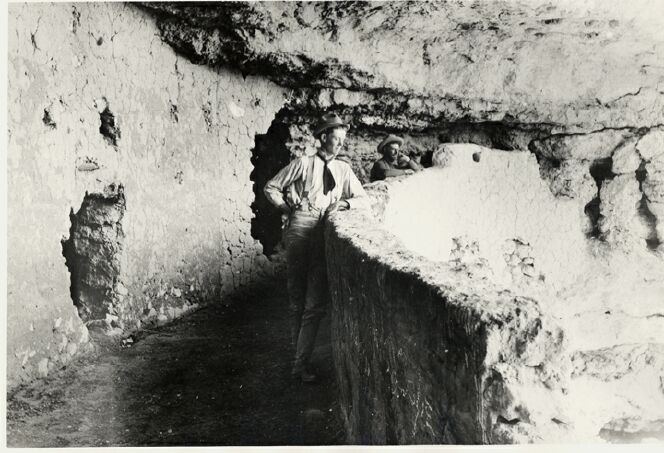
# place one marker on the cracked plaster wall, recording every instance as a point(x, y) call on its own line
point(183, 139)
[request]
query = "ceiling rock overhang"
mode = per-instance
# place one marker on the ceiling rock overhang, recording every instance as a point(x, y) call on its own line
point(575, 67)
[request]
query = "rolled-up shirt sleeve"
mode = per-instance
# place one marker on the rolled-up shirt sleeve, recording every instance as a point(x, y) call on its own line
point(382, 170)
point(379, 170)
point(354, 193)
point(414, 165)
point(274, 188)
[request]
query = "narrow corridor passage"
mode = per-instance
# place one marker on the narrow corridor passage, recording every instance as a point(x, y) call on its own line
point(220, 376)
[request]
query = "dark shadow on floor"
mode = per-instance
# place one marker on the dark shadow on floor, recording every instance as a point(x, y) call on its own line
point(220, 376)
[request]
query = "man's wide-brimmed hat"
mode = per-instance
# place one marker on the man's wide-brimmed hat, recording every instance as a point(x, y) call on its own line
point(389, 139)
point(328, 121)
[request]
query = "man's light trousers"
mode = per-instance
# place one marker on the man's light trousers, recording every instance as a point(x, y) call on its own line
point(307, 279)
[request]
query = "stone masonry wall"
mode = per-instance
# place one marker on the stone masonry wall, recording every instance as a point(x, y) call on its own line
point(98, 103)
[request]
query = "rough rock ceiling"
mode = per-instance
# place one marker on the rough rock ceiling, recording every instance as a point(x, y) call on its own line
point(583, 65)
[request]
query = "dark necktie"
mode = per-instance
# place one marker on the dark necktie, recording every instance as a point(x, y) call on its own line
point(328, 180)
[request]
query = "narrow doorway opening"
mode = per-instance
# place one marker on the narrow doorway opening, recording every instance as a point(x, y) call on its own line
point(269, 156)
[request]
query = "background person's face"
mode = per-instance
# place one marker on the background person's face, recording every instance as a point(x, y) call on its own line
point(333, 141)
point(391, 151)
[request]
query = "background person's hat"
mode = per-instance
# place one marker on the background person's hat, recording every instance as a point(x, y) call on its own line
point(389, 139)
point(328, 121)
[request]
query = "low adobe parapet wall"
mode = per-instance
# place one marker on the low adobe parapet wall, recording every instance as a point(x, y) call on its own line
point(420, 350)
point(468, 306)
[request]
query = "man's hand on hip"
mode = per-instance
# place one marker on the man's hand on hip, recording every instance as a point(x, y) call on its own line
point(285, 211)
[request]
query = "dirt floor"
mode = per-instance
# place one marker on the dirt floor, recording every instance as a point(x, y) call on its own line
point(219, 376)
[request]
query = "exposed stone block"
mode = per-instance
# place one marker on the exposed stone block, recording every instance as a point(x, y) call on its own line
point(651, 144)
point(571, 178)
point(620, 198)
point(590, 146)
point(625, 159)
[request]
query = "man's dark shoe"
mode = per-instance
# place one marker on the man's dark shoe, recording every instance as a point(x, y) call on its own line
point(305, 376)
point(308, 377)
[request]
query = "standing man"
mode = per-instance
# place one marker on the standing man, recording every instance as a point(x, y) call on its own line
point(392, 164)
point(315, 187)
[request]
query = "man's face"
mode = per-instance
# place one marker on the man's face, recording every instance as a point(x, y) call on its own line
point(391, 151)
point(333, 141)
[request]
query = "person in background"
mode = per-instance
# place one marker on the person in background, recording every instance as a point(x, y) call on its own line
point(392, 163)
point(314, 186)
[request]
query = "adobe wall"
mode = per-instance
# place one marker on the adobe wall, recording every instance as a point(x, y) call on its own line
point(414, 342)
point(468, 310)
point(98, 105)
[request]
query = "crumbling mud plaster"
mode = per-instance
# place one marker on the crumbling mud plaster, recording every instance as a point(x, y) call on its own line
point(92, 254)
point(95, 99)
point(494, 317)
